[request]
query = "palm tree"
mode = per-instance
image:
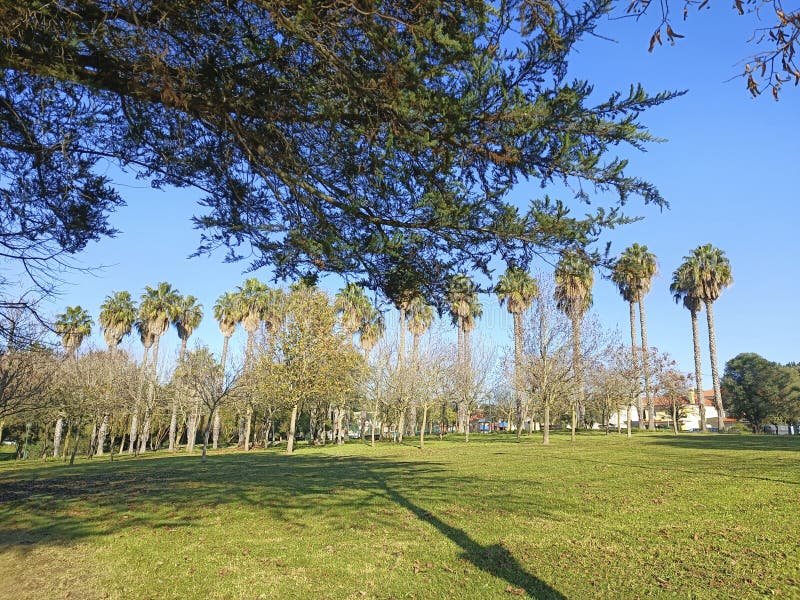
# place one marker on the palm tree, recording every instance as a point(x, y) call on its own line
point(226, 312)
point(371, 331)
point(468, 323)
point(251, 299)
point(574, 280)
point(147, 339)
point(639, 266)
point(187, 316)
point(682, 290)
point(72, 326)
point(711, 273)
point(352, 306)
point(621, 278)
point(117, 315)
point(273, 313)
point(420, 317)
point(517, 290)
point(464, 307)
point(157, 309)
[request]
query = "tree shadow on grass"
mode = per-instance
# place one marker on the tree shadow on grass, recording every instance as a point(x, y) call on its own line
point(730, 441)
point(57, 505)
point(495, 559)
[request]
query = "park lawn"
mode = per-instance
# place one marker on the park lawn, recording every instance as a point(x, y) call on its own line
point(694, 516)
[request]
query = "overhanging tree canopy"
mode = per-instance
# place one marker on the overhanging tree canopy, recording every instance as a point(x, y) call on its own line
point(358, 137)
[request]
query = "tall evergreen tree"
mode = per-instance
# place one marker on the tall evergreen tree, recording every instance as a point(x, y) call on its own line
point(517, 290)
point(462, 297)
point(683, 290)
point(574, 279)
point(710, 274)
point(226, 313)
point(157, 309)
point(117, 315)
point(72, 326)
point(187, 316)
point(639, 266)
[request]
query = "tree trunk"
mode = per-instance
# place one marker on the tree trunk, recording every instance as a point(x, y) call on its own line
point(651, 413)
point(712, 349)
point(339, 432)
point(248, 426)
point(223, 359)
point(400, 425)
point(698, 372)
point(292, 425)
point(134, 432)
point(65, 452)
point(372, 425)
point(151, 399)
point(546, 423)
point(577, 371)
point(467, 376)
point(518, 371)
point(401, 343)
point(635, 358)
point(101, 436)
point(675, 418)
point(206, 434)
point(215, 436)
point(461, 367)
point(92, 440)
point(173, 425)
point(630, 407)
point(77, 439)
point(57, 436)
point(144, 435)
point(422, 430)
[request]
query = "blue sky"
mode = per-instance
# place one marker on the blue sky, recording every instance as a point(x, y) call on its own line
point(729, 171)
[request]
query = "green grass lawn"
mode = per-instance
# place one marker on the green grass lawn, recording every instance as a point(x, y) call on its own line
point(701, 516)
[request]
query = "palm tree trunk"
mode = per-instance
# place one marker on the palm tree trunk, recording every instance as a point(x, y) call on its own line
point(460, 366)
point(577, 372)
point(401, 343)
point(217, 418)
point(651, 415)
point(635, 358)
point(518, 371)
point(698, 372)
point(173, 421)
point(712, 349)
point(151, 399)
point(467, 380)
point(135, 417)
